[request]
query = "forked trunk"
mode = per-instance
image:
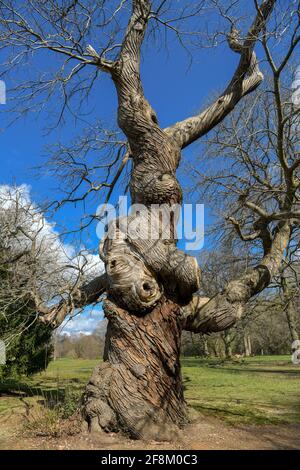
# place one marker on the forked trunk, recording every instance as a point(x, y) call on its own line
point(138, 388)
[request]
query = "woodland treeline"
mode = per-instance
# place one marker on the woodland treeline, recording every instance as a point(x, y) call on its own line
point(264, 331)
point(270, 325)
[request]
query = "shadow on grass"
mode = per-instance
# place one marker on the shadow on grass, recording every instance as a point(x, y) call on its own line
point(52, 393)
point(247, 413)
point(249, 370)
point(214, 362)
point(20, 389)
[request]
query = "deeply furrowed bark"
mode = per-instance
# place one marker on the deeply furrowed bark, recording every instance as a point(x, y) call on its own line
point(138, 388)
point(149, 282)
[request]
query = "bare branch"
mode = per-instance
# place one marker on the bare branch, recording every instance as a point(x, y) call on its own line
point(191, 129)
point(223, 310)
point(86, 294)
point(245, 238)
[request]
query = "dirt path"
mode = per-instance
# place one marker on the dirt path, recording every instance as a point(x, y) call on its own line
point(206, 433)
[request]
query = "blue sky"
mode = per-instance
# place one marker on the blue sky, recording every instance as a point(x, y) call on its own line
point(175, 88)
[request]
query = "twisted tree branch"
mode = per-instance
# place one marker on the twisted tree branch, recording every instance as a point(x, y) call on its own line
point(222, 311)
point(191, 129)
point(86, 294)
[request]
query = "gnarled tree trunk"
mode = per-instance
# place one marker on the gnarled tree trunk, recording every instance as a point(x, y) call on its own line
point(150, 283)
point(138, 389)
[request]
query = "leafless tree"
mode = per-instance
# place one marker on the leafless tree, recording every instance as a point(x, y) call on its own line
point(37, 269)
point(149, 283)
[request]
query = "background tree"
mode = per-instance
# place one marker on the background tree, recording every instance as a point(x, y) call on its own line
point(249, 168)
point(149, 283)
point(34, 267)
point(81, 346)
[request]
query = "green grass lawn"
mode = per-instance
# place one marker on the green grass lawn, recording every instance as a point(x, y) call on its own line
point(256, 390)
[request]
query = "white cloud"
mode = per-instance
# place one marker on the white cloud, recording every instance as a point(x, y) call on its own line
point(84, 323)
point(58, 262)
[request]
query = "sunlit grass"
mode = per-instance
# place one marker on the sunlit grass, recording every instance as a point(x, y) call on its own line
point(256, 390)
